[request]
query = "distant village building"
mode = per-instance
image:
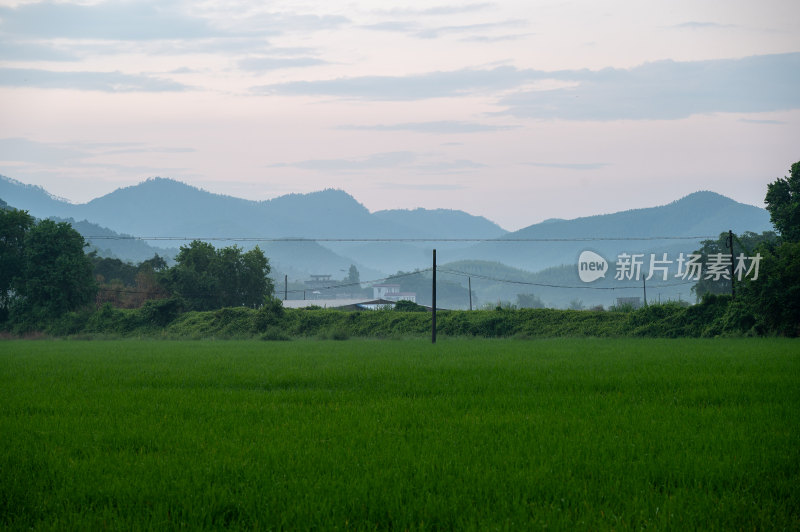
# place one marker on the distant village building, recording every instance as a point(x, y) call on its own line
point(340, 304)
point(317, 285)
point(391, 292)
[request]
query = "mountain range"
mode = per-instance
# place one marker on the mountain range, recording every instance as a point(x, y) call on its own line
point(685, 222)
point(160, 207)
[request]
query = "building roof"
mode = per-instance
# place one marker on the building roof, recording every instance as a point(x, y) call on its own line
point(334, 303)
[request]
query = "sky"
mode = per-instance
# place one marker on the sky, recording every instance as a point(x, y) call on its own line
point(516, 110)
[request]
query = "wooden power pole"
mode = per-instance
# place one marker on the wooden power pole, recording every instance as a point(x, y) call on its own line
point(433, 298)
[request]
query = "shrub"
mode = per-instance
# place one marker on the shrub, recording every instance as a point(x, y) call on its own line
point(275, 334)
point(161, 312)
point(408, 306)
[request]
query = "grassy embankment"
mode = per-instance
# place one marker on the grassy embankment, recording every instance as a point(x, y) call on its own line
point(468, 434)
point(163, 319)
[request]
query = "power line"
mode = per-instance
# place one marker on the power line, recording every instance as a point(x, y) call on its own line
point(395, 240)
point(426, 270)
point(359, 283)
point(294, 291)
point(547, 285)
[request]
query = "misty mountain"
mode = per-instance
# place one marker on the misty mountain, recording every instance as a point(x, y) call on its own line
point(34, 199)
point(557, 286)
point(164, 207)
point(299, 259)
point(423, 224)
point(701, 214)
point(442, 223)
point(111, 244)
point(167, 208)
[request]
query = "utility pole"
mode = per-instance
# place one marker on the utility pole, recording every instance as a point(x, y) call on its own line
point(285, 287)
point(644, 288)
point(469, 281)
point(433, 298)
point(730, 246)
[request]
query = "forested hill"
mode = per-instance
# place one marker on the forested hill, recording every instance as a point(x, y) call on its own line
point(435, 223)
point(165, 207)
point(554, 242)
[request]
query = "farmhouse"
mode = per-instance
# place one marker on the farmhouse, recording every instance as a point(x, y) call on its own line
point(392, 293)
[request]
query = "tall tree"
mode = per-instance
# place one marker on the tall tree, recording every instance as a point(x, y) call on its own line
point(353, 276)
point(747, 243)
point(56, 274)
point(14, 225)
point(774, 298)
point(783, 204)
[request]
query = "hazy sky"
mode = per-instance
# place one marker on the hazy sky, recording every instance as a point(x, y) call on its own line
point(516, 110)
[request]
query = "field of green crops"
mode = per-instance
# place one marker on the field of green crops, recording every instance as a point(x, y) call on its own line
point(400, 434)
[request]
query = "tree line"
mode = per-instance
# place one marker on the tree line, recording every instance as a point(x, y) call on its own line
point(771, 303)
point(46, 272)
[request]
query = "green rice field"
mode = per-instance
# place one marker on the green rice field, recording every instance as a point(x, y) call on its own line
point(467, 434)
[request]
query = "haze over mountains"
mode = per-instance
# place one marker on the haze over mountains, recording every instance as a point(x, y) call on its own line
point(162, 207)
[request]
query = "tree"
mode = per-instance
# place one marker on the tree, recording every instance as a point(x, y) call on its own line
point(576, 304)
point(774, 298)
point(56, 275)
point(14, 225)
point(783, 204)
point(207, 278)
point(529, 301)
point(405, 305)
point(112, 269)
point(771, 303)
point(156, 264)
point(747, 243)
point(353, 277)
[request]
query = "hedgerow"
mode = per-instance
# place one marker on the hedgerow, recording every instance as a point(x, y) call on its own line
point(714, 316)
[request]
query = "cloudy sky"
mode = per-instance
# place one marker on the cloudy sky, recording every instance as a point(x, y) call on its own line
point(517, 110)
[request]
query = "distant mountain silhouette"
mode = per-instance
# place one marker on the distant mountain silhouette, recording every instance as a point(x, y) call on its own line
point(34, 199)
point(165, 207)
point(443, 223)
point(108, 243)
point(162, 207)
point(700, 214)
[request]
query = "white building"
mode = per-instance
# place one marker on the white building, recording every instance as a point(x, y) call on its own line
point(391, 292)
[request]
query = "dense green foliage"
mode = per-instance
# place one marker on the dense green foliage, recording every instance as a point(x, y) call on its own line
point(783, 204)
point(469, 435)
point(14, 225)
point(208, 278)
point(56, 274)
point(111, 269)
point(772, 302)
point(45, 270)
point(715, 316)
point(408, 306)
point(747, 243)
point(47, 284)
